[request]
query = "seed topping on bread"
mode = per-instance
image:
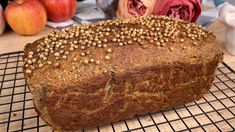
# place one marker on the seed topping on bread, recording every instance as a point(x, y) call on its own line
point(105, 35)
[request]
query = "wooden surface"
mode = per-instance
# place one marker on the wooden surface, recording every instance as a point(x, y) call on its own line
point(10, 41)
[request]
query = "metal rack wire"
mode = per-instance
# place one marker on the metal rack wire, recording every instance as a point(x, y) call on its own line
point(214, 112)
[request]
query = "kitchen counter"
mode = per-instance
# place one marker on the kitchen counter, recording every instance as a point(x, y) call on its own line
point(11, 42)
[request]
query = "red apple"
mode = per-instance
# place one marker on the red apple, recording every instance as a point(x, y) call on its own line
point(26, 17)
point(60, 10)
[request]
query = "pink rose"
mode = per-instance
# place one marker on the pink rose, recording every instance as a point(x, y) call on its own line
point(188, 10)
point(135, 8)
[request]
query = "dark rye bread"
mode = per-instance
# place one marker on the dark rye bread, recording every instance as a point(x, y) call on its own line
point(90, 75)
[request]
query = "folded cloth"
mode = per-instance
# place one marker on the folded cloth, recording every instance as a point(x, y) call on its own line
point(227, 17)
point(59, 25)
point(232, 2)
point(188, 10)
point(109, 7)
point(135, 8)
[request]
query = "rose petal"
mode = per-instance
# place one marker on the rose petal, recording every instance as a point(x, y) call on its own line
point(135, 8)
point(194, 8)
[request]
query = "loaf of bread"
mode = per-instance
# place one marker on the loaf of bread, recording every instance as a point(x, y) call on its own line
point(95, 74)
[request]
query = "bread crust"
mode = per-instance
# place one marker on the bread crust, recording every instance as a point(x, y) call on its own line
point(135, 81)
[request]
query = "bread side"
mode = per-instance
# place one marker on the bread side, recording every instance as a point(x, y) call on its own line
point(90, 75)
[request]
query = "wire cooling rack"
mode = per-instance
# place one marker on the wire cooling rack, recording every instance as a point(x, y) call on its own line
point(214, 112)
